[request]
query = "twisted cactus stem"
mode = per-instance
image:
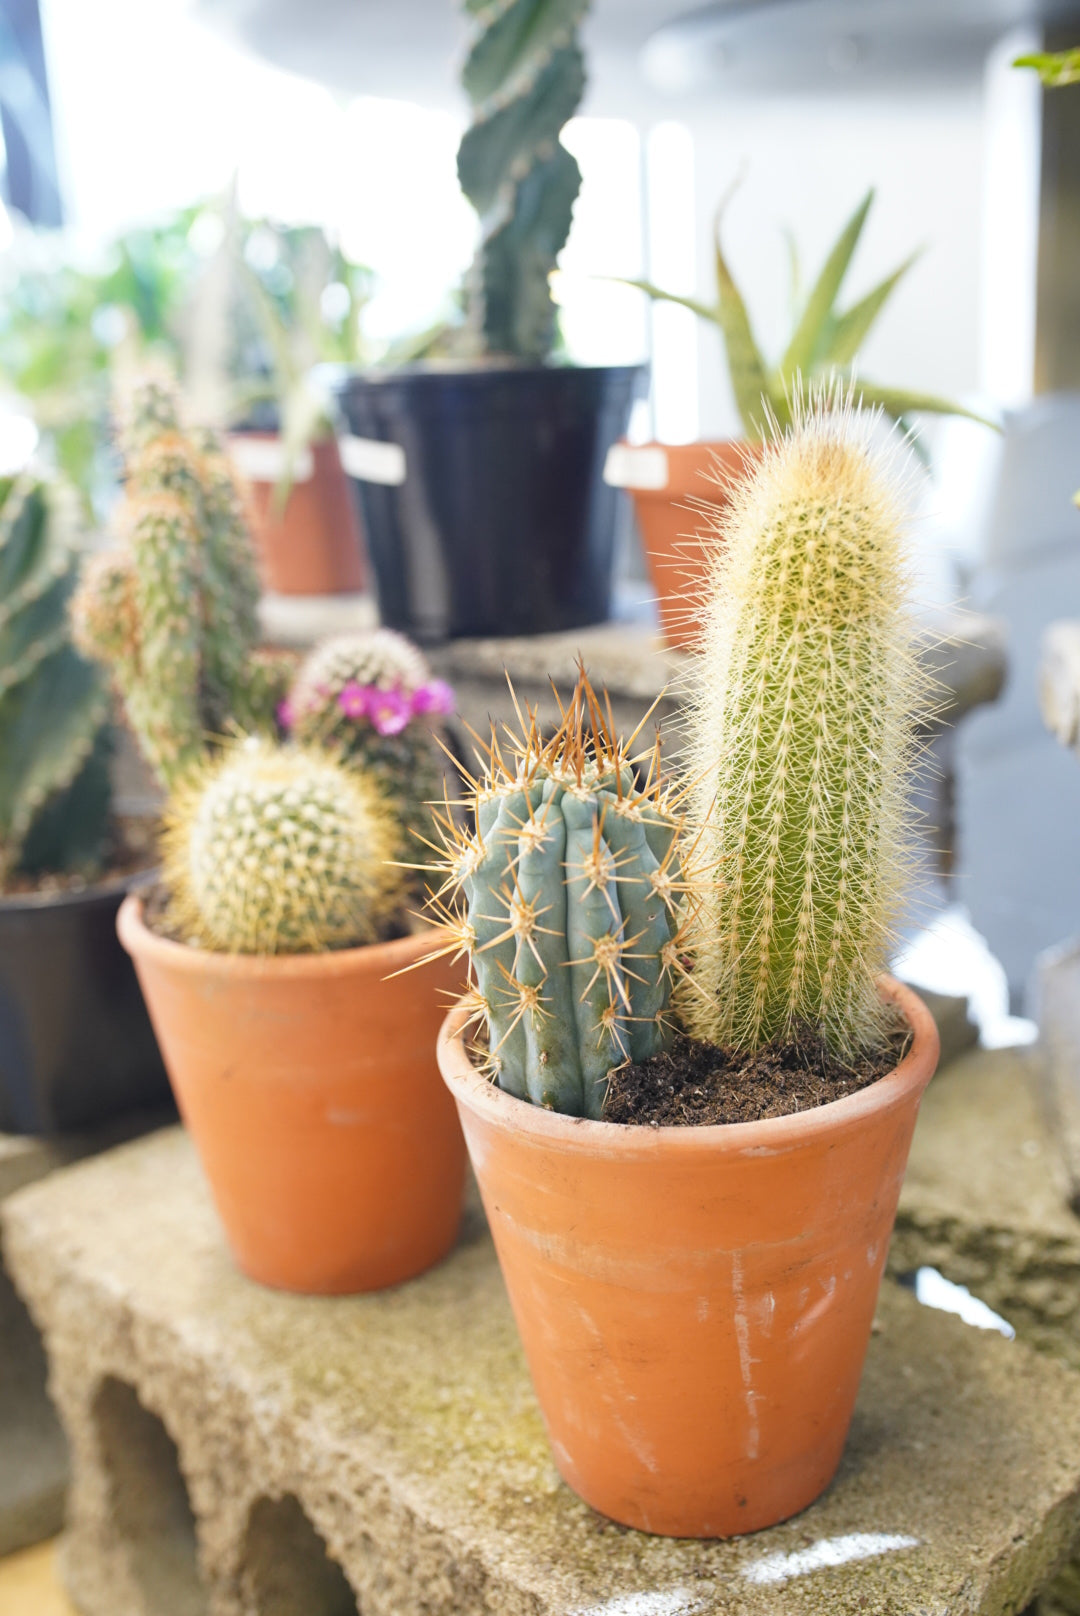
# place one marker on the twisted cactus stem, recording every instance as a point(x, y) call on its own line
point(172, 611)
point(524, 76)
point(803, 741)
point(279, 850)
point(54, 783)
point(566, 900)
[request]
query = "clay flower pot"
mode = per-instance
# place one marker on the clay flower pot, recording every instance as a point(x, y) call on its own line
point(695, 1303)
point(314, 546)
point(309, 1086)
point(665, 480)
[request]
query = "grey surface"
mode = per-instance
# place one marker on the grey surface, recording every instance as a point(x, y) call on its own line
point(404, 1428)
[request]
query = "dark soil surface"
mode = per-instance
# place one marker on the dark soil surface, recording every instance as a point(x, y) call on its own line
point(132, 848)
point(692, 1084)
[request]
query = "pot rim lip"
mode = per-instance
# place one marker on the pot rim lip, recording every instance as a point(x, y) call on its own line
point(345, 375)
point(478, 1094)
point(117, 886)
point(384, 958)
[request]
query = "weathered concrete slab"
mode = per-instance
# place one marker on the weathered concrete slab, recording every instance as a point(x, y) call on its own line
point(1057, 1010)
point(33, 1451)
point(225, 1437)
point(986, 1198)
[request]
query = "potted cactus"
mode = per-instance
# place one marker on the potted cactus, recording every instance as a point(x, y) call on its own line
point(693, 1090)
point(481, 489)
point(825, 343)
point(307, 1079)
point(75, 1044)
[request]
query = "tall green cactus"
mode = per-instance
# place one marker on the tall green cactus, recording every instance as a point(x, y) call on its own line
point(525, 76)
point(565, 899)
point(54, 741)
point(807, 692)
point(172, 611)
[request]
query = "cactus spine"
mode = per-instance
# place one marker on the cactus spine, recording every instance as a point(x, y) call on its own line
point(172, 611)
point(565, 899)
point(54, 742)
point(367, 696)
point(525, 76)
point(278, 850)
point(803, 742)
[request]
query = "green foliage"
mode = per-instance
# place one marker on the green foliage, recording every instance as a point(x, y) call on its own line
point(823, 345)
point(278, 850)
point(524, 76)
point(1055, 68)
point(565, 899)
point(172, 612)
point(802, 742)
point(403, 762)
point(54, 745)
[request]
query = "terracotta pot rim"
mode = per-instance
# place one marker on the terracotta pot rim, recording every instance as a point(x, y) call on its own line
point(381, 958)
point(470, 1088)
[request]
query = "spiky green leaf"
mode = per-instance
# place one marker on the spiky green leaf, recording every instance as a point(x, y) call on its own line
point(806, 338)
point(746, 365)
point(1055, 68)
point(844, 334)
point(658, 295)
point(897, 402)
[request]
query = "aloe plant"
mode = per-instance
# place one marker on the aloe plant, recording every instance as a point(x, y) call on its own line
point(823, 345)
point(524, 76)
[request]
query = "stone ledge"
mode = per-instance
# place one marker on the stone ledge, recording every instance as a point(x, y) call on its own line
point(986, 1198)
point(400, 1433)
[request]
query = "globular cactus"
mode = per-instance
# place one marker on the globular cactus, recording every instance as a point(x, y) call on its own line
point(371, 697)
point(566, 899)
point(54, 737)
point(278, 850)
point(525, 76)
point(807, 690)
point(172, 611)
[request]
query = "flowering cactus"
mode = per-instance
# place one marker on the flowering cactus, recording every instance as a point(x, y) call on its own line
point(371, 698)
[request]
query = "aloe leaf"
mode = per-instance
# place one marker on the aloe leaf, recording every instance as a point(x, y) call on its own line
point(746, 365)
point(509, 47)
point(897, 402)
point(658, 295)
point(845, 334)
point(819, 305)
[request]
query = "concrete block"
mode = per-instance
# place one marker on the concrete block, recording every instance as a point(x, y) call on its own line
point(33, 1451)
point(239, 1452)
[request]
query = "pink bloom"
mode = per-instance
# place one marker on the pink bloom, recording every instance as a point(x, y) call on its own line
point(388, 710)
point(285, 715)
point(354, 700)
point(434, 697)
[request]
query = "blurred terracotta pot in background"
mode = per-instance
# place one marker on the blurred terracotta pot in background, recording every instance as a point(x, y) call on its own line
point(314, 547)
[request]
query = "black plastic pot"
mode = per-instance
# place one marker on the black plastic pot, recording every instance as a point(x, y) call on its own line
point(76, 1045)
point(502, 523)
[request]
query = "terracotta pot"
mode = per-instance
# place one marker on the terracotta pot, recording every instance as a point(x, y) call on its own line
point(310, 1089)
point(670, 523)
point(695, 1303)
point(314, 547)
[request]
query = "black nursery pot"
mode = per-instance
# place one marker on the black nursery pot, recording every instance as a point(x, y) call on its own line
point(502, 522)
point(76, 1045)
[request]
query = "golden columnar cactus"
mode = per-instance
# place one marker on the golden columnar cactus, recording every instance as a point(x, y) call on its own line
point(279, 850)
point(803, 740)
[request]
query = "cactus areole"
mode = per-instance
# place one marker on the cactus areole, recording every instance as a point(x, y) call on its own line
point(565, 899)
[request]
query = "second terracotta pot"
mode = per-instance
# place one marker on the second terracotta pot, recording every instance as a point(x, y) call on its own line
point(671, 524)
point(695, 1303)
point(313, 547)
point(310, 1089)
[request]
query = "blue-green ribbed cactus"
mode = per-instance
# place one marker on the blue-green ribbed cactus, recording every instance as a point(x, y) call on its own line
point(525, 76)
point(566, 899)
point(54, 738)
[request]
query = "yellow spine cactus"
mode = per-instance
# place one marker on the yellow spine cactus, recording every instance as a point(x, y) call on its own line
point(279, 850)
point(803, 740)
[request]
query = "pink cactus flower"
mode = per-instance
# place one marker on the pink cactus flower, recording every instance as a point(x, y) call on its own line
point(354, 700)
point(388, 710)
point(434, 697)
